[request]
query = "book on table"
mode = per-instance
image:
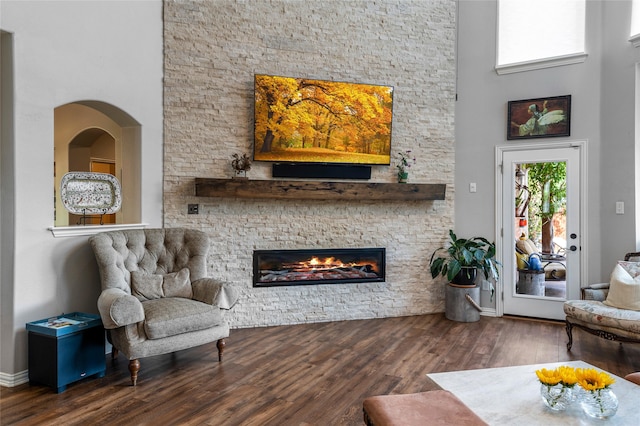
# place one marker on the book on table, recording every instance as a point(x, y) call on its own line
point(64, 324)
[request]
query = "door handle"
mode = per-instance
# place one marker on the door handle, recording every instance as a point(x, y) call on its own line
point(573, 248)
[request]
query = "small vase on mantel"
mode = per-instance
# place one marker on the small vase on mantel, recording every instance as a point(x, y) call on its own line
point(240, 174)
point(402, 177)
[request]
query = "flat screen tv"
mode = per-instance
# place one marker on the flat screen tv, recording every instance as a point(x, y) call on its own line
point(300, 120)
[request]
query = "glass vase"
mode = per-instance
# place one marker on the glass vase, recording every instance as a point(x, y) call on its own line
point(556, 397)
point(599, 403)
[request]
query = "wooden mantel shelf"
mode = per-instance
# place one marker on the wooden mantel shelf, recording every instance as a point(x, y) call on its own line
point(310, 190)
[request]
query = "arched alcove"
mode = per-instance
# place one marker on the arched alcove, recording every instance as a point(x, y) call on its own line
point(93, 131)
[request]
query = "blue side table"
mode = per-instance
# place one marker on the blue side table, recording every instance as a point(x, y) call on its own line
point(65, 349)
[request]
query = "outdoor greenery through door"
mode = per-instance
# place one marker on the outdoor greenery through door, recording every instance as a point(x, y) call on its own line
point(541, 203)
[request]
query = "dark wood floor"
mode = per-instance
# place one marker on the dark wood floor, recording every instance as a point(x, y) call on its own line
point(314, 374)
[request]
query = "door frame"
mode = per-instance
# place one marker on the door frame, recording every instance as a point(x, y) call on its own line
point(501, 246)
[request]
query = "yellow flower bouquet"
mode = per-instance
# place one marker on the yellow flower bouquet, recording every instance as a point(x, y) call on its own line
point(591, 379)
point(556, 387)
point(596, 399)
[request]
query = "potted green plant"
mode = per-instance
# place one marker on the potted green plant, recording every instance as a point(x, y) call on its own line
point(463, 257)
point(459, 262)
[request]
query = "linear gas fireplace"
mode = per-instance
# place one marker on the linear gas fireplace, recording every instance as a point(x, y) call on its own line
point(317, 266)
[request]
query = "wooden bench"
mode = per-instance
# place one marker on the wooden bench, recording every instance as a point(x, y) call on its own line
point(438, 407)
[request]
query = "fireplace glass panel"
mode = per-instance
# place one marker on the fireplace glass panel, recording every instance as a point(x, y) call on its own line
point(318, 266)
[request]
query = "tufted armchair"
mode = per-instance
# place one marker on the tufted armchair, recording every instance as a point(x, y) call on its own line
point(156, 297)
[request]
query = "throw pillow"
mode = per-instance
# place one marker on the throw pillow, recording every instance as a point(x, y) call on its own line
point(146, 286)
point(624, 289)
point(153, 286)
point(526, 246)
point(177, 284)
point(633, 268)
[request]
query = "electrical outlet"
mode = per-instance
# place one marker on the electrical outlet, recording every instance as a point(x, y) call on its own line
point(192, 208)
point(472, 187)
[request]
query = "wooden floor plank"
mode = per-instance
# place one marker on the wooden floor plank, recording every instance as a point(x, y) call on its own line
point(308, 375)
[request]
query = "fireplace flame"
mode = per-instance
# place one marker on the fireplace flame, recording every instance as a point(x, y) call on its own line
point(316, 263)
point(328, 262)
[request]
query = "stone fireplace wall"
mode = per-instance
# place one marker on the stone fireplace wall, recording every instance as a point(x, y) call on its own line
point(212, 51)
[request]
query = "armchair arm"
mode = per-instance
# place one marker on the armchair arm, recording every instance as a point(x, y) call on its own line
point(212, 292)
point(597, 292)
point(598, 286)
point(118, 308)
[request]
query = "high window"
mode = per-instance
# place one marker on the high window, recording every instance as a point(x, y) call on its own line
point(536, 34)
point(634, 34)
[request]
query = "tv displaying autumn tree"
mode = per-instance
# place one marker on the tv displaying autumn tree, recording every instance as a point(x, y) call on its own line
point(301, 120)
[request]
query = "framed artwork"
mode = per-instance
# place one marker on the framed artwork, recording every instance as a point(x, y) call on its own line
point(539, 118)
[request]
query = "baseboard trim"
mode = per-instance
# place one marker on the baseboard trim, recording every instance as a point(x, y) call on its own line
point(535, 319)
point(12, 380)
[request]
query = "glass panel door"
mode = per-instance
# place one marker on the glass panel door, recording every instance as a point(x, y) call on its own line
point(541, 223)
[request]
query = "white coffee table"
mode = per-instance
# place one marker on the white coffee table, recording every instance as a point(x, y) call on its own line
point(511, 396)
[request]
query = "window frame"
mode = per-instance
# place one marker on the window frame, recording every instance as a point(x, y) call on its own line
point(557, 61)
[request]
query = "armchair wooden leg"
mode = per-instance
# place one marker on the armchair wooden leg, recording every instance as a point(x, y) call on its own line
point(134, 367)
point(221, 344)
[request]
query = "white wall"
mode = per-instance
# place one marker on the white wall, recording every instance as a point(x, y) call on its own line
point(619, 114)
point(67, 51)
point(7, 194)
point(602, 90)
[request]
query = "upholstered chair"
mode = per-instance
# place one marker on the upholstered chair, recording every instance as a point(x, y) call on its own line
point(608, 310)
point(156, 297)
